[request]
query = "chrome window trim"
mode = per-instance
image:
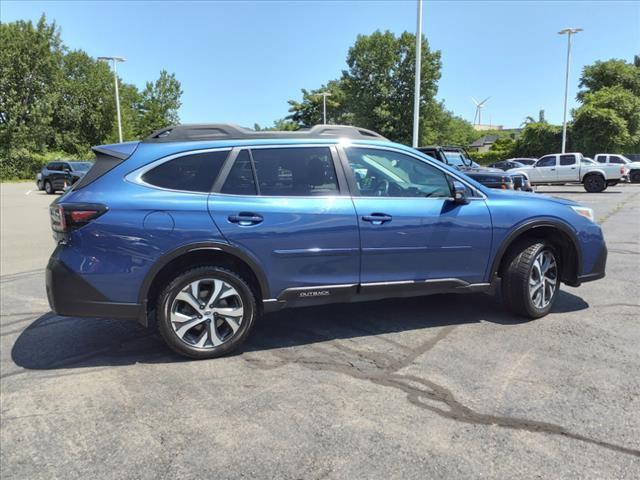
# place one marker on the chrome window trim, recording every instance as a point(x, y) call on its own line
point(136, 175)
point(397, 150)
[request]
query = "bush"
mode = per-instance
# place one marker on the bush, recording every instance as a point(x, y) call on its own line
point(21, 164)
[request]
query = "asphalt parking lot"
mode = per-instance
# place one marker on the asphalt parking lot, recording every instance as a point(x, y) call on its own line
point(442, 386)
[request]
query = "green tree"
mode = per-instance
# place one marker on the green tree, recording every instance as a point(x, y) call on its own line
point(609, 73)
point(29, 78)
point(85, 106)
point(538, 139)
point(379, 83)
point(159, 103)
point(309, 111)
point(597, 130)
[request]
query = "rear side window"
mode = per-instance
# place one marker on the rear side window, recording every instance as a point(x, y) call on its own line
point(295, 171)
point(54, 166)
point(567, 159)
point(191, 173)
point(615, 159)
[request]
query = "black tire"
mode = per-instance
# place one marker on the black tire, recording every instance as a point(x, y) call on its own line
point(182, 280)
point(594, 183)
point(635, 176)
point(48, 187)
point(39, 185)
point(517, 273)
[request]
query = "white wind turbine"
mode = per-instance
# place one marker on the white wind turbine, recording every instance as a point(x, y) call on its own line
point(479, 107)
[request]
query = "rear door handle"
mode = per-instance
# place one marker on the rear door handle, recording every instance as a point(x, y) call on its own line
point(245, 218)
point(377, 218)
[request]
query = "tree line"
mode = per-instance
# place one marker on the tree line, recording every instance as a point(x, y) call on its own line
point(56, 102)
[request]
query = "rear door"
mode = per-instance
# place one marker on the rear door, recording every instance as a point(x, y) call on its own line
point(545, 169)
point(288, 208)
point(567, 169)
point(410, 230)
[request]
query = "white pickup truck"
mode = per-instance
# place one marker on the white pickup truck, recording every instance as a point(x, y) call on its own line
point(561, 168)
point(633, 168)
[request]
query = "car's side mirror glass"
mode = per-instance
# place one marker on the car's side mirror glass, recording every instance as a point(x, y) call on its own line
point(459, 192)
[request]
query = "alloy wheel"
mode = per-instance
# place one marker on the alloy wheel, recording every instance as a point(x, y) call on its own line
point(206, 313)
point(543, 279)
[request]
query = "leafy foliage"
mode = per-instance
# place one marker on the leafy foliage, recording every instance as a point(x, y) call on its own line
point(376, 92)
point(53, 99)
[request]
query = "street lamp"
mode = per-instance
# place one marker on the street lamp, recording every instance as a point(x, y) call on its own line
point(324, 106)
point(568, 32)
point(418, 77)
point(115, 60)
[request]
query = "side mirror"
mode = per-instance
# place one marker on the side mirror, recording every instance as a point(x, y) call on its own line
point(459, 192)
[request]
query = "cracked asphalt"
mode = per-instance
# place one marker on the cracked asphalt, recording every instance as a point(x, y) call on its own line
point(442, 386)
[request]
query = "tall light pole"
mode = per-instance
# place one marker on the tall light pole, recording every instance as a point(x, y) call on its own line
point(115, 60)
point(324, 106)
point(568, 32)
point(418, 77)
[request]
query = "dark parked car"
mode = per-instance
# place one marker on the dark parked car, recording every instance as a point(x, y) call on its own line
point(507, 165)
point(525, 161)
point(61, 174)
point(458, 158)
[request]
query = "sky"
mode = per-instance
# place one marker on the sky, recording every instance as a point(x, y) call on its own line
point(240, 62)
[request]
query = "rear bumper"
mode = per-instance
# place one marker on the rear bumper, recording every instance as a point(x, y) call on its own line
point(70, 295)
point(598, 270)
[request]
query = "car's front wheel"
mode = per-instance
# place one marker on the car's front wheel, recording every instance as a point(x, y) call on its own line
point(206, 312)
point(635, 176)
point(531, 280)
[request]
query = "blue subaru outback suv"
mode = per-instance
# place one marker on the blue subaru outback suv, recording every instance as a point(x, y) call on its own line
point(199, 229)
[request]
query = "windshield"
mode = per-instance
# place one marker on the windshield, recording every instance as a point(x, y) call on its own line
point(80, 166)
point(457, 159)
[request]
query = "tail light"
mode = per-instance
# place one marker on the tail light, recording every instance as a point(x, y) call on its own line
point(621, 170)
point(70, 216)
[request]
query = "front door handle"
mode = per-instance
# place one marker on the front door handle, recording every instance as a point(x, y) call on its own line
point(245, 218)
point(377, 218)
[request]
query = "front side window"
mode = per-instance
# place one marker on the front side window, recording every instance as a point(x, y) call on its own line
point(383, 173)
point(548, 161)
point(601, 158)
point(191, 173)
point(307, 171)
point(456, 159)
point(567, 160)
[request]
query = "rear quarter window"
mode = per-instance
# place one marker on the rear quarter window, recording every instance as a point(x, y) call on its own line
point(194, 172)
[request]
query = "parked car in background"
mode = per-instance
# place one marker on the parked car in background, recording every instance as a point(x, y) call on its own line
point(525, 161)
point(633, 168)
point(458, 158)
point(60, 174)
point(199, 229)
point(563, 168)
point(506, 165)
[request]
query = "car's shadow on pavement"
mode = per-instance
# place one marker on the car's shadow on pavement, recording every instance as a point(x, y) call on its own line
point(53, 342)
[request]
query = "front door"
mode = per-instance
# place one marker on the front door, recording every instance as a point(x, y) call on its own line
point(410, 230)
point(287, 209)
point(545, 169)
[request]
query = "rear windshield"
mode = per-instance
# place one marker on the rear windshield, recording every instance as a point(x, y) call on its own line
point(80, 166)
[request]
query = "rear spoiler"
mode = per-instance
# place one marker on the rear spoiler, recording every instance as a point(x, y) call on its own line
point(108, 157)
point(118, 150)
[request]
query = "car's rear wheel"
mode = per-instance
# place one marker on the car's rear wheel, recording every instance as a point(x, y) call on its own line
point(531, 280)
point(594, 183)
point(48, 187)
point(206, 312)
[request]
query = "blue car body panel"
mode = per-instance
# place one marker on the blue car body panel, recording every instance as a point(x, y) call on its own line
point(301, 242)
